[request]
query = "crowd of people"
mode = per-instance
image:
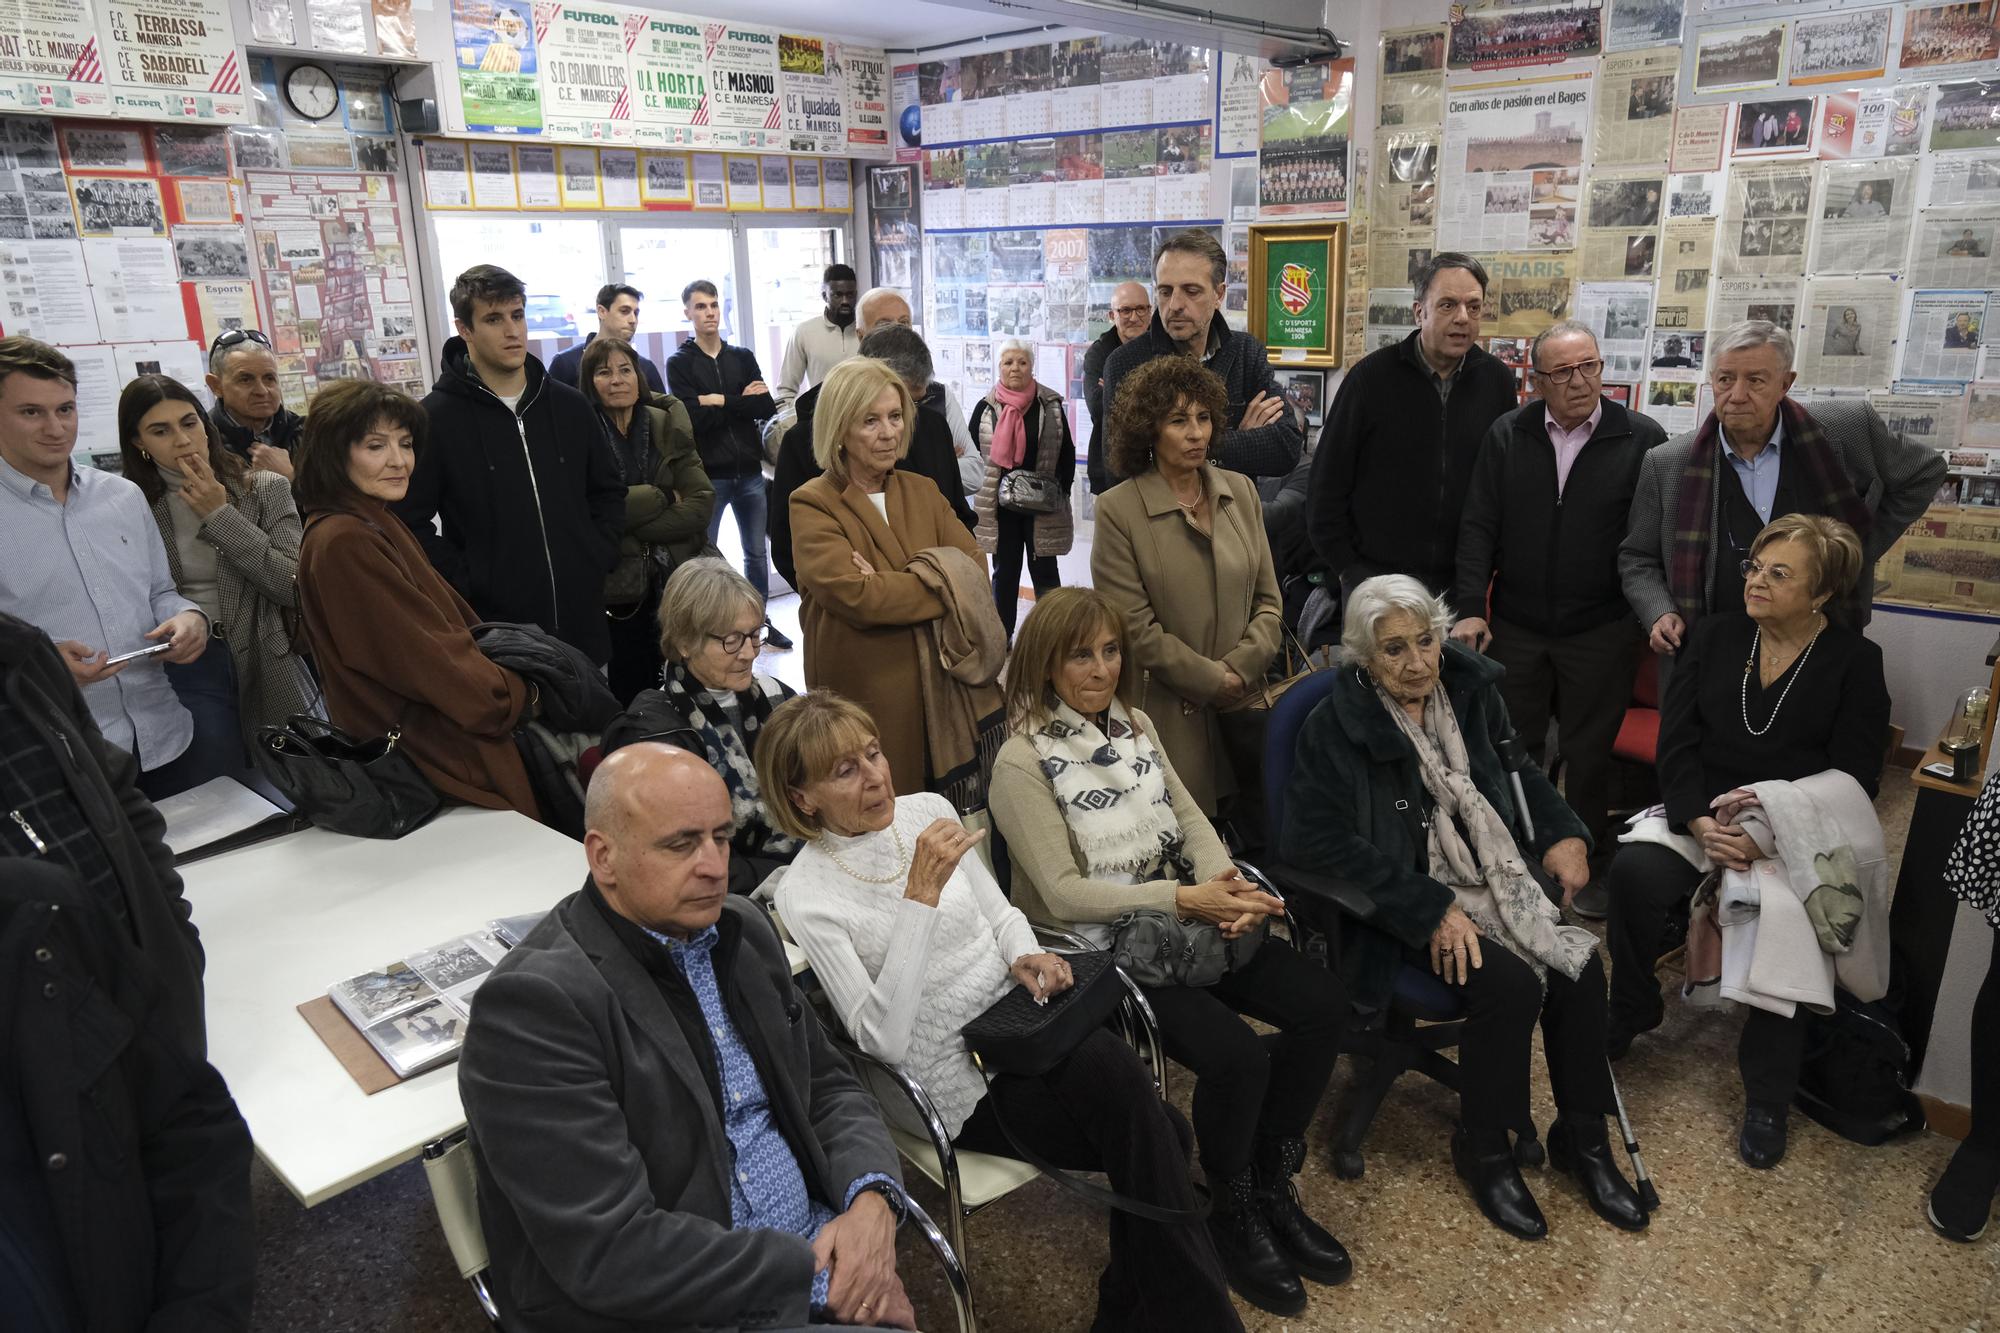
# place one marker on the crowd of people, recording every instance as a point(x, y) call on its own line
point(1498, 568)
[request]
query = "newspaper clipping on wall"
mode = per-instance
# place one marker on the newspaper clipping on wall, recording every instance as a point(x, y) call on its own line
point(1526, 293)
point(1929, 419)
point(1392, 316)
point(1765, 214)
point(1621, 226)
point(1687, 257)
point(1773, 299)
point(1950, 558)
point(1956, 248)
point(1395, 254)
point(1405, 192)
point(1635, 23)
point(1635, 107)
point(1694, 195)
point(1965, 179)
point(1848, 336)
point(1513, 166)
point(1864, 216)
point(1619, 313)
point(1944, 335)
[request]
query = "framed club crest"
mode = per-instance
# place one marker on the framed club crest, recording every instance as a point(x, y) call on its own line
point(1295, 291)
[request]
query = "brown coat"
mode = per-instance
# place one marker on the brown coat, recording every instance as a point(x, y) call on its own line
point(1050, 453)
point(393, 644)
point(1192, 604)
point(858, 627)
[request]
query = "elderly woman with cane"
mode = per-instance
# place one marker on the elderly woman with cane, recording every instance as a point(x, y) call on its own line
point(1399, 781)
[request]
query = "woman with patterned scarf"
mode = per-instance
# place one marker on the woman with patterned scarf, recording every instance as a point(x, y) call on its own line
point(1098, 825)
point(712, 701)
point(1398, 786)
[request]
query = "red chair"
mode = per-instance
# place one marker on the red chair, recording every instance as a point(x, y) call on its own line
point(1639, 734)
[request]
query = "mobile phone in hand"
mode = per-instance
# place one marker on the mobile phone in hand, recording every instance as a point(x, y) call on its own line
point(150, 650)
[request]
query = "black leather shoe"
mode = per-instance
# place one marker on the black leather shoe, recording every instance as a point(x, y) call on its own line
point(1762, 1142)
point(1592, 901)
point(776, 638)
point(1575, 1149)
point(1310, 1246)
point(1962, 1200)
point(1619, 1030)
point(1258, 1269)
point(1497, 1187)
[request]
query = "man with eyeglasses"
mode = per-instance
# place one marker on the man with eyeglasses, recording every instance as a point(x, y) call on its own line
point(1544, 515)
point(1131, 310)
point(878, 308)
point(1390, 474)
point(250, 410)
point(1703, 497)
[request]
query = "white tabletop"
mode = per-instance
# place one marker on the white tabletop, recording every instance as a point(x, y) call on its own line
point(283, 920)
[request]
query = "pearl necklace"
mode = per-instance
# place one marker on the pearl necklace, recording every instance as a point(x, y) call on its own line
point(1750, 664)
point(896, 876)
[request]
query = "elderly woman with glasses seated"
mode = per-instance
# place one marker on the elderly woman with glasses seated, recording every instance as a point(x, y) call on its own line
point(712, 700)
point(1399, 786)
point(1772, 692)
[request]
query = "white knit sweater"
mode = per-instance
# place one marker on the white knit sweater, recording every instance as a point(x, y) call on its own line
point(906, 978)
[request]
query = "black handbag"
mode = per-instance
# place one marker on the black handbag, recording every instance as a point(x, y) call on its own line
point(1017, 1036)
point(365, 789)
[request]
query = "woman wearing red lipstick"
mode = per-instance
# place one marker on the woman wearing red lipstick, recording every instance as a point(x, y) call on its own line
point(1776, 693)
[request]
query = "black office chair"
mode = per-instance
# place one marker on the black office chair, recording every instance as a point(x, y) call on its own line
point(1424, 1015)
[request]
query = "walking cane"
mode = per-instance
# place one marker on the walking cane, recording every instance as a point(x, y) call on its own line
point(1514, 757)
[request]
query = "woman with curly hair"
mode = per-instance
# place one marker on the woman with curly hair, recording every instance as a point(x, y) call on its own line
point(1180, 551)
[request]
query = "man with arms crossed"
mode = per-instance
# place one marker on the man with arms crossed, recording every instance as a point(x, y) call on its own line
point(664, 1137)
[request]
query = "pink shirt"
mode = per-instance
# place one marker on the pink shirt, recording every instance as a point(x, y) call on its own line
point(1569, 443)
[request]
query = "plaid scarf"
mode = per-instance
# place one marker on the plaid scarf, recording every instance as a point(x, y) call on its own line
point(731, 750)
point(1826, 486)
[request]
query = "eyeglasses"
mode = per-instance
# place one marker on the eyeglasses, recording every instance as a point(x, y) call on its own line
point(230, 337)
point(733, 641)
point(1590, 370)
point(1778, 574)
point(1129, 311)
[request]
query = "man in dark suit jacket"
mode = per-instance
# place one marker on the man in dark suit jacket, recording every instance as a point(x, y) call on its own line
point(1544, 514)
point(617, 317)
point(931, 452)
point(664, 1137)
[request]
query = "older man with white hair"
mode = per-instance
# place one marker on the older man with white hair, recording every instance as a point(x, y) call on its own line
point(882, 306)
point(1703, 497)
point(1544, 514)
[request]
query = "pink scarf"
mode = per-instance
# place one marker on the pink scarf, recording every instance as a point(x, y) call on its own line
point(1010, 432)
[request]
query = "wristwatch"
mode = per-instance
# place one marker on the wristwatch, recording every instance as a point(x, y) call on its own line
point(889, 1193)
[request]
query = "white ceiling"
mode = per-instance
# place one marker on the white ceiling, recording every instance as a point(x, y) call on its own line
point(903, 23)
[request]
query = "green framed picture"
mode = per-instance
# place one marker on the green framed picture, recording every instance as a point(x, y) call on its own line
point(1295, 300)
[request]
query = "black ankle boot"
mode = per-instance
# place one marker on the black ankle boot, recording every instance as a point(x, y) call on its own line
point(1581, 1148)
point(1485, 1160)
point(1257, 1268)
point(1962, 1199)
point(1310, 1246)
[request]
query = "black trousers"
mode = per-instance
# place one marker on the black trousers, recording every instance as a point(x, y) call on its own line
point(1098, 1111)
point(1585, 682)
point(1985, 1131)
point(1248, 1086)
point(1017, 535)
point(1503, 1002)
point(635, 646)
point(1646, 881)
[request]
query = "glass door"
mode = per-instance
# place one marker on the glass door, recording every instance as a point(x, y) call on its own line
point(560, 259)
point(661, 262)
point(785, 265)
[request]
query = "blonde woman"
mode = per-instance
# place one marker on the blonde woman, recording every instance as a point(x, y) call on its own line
point(855, 529)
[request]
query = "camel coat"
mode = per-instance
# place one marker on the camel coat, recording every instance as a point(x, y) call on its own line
point(857, 626)
point(1192, 604)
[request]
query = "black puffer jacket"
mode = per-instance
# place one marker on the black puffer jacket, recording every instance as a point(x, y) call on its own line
point(141, 1161)
point(532, 504)
point(573, 694)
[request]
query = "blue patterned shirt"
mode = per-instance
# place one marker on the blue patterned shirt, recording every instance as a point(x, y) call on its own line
point(766, 1188)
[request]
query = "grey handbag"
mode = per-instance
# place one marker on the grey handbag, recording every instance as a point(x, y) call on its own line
point(1027, 492)
point(1160, 949)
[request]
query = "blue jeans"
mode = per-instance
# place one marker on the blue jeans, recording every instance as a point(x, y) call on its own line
point(749, 497)
point(206, 687)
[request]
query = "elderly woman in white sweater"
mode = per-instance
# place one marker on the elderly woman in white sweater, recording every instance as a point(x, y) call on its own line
point(912, 939)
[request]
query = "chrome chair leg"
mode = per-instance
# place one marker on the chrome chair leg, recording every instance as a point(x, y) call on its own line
point(955, 1275)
